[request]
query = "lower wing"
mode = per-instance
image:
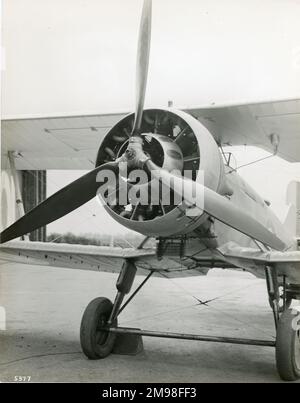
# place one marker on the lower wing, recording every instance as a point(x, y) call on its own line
point(83, 257)
point(100, 258)
point(110, 259)
point(254, 260)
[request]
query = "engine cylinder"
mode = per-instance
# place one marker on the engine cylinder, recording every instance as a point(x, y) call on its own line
point(173, 140)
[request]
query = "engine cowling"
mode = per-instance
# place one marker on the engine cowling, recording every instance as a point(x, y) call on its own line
point(173, 140)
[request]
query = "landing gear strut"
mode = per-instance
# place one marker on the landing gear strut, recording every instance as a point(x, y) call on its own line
point(287, 322)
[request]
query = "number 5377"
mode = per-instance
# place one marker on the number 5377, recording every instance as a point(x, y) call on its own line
point(21, 378)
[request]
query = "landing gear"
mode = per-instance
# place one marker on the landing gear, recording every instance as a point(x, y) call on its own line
point(100, 334)
point(273, 291)
point(287, 323)
point(101, 314)
point(280, 292)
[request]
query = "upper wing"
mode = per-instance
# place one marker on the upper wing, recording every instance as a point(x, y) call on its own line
point(255, 125)
point(69, 142)
point(84, 257)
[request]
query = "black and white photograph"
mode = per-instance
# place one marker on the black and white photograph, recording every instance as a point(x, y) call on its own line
point(150, 194)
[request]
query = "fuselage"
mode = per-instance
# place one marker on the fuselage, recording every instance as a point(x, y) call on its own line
point(246, 198)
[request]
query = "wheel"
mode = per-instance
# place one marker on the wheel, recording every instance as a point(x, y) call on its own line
point(288, 345)
point(96, 343)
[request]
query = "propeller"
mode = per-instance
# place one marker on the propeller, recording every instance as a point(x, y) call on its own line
point(85, 188)
point(142, 65)
point(59, 204)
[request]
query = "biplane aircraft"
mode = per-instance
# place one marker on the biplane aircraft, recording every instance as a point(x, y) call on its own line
point(218, 221)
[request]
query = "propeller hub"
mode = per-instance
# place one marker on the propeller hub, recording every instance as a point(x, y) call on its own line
point(134, 155)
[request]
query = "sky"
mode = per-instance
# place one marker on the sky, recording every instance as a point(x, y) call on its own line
point(78, 56)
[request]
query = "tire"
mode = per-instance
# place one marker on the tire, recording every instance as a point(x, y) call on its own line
point(288, 345)
point(96, 343)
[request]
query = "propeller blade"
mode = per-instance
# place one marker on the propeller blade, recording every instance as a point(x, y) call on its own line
point(217, 206)
point(142, 64)
point(59, 204)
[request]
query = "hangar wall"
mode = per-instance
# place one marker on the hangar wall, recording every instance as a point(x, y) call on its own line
point(9, 211)
point(33, 185)
point(32, 191)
